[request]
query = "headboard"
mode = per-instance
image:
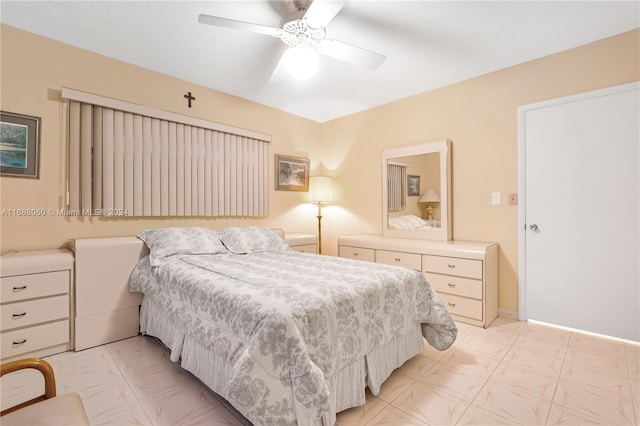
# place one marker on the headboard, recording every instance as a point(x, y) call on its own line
point(105, 309)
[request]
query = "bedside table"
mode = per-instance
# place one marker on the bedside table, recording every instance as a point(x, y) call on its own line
point(307, 243)
point(35, 303)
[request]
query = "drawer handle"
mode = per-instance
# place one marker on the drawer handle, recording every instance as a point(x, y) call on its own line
point(453, 305)
point(452, 285)
point(24, 287)
point(21, 342)
point(355, 253)
point(451, 266)
point(397, 259)
point(14, 316)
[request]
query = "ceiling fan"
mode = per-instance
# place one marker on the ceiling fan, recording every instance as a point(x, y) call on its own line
point(306, 29)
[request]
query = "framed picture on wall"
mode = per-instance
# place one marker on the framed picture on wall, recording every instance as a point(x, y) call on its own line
point(413, 185)
point(19, 145)
point(292, 174)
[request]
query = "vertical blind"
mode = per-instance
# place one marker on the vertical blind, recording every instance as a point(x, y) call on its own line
point(123, 163)
point(396, 179)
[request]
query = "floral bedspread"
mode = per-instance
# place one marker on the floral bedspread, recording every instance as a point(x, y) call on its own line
point(291, 316)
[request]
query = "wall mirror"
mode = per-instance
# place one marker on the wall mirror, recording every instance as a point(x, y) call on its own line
point(416, 191)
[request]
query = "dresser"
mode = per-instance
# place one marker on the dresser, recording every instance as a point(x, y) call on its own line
point(36, 303)
point(307, 243)
point(463, 273)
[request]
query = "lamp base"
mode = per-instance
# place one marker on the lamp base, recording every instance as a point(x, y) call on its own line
point(319, 216)
point(429, 212)
point(319, 235)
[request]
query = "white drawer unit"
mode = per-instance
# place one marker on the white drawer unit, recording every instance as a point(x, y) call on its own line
point(464, 273)
point(455, 285)
point(461, 267)
point(458, 282)
point(30, 286)
point(36, 294)
point(30, 312)
point(462, 307)
point(40, 339)
point(306, 243)
point(357, 253)
point(397, 258)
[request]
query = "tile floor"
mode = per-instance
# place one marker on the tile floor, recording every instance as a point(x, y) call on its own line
point(511, 373)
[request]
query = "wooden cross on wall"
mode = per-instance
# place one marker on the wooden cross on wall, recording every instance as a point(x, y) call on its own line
point(190, 98)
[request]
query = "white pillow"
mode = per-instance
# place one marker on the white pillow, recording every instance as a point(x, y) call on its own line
point(251, 239)
point(165, 242)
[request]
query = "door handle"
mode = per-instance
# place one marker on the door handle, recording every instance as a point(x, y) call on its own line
point(533, 227)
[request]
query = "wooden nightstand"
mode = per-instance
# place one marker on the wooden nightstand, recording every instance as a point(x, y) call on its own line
point(36, 303)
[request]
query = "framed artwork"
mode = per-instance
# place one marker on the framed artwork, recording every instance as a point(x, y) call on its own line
point(413, 185)
point(19, 145)
point(292, 174)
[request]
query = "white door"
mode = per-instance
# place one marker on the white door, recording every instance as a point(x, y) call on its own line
point(580, 223)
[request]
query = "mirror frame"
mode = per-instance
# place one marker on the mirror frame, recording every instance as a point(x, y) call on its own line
point(444, 149)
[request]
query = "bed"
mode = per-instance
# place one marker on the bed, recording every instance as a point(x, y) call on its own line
point(411, 222)
point(286, 337)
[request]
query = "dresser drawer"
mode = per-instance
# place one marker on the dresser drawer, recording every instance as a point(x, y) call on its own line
point(397, 258)
point(357, 253)
point(452, 266)
point(457, 305)
point(21, 287)
point(306, 248)
point(21, 314)
point(29, 339)
point(459, 286)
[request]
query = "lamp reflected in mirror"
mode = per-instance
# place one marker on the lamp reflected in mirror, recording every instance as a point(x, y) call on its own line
point(430, 197)
point(320, 192)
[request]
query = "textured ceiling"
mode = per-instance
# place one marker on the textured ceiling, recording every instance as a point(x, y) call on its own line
point(428, 44)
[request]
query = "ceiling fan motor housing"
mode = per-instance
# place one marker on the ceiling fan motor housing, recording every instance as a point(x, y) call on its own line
point(297, 33)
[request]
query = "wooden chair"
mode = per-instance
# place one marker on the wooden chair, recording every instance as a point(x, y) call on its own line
point(46, 409)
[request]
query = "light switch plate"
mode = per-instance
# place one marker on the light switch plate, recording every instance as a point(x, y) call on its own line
point(496, 198)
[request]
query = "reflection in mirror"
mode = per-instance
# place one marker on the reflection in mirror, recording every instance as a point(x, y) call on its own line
point(416, 191)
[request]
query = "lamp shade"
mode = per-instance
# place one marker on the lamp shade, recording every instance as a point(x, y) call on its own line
point(429, 196)
point(320, 189)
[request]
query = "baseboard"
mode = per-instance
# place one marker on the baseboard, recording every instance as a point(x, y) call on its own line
point(505, 313)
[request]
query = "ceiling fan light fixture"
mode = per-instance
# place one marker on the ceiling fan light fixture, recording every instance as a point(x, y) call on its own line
point(305, 29)
point(300, 62)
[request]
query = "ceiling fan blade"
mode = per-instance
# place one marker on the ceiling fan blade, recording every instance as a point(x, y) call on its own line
point(279, 74)
point(239, 25)
point(351, 54)
point(321, 12)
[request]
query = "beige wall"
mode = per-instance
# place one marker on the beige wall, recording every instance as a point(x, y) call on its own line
point(33, 71)
point(478, 115)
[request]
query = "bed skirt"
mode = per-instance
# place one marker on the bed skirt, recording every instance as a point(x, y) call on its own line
point(347, 387)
